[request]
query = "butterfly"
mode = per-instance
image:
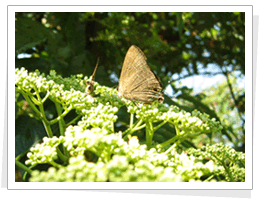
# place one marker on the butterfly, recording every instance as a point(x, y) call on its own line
point(137, 81)
point(90, 83)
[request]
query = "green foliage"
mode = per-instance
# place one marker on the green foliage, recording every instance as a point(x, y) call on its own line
point(233, 162)
point(232, 117)
point(173, 42)
point(86, 147)
point(182, 44)
point(52, 110)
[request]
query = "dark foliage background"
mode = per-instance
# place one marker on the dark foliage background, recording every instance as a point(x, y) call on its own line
point(70, 44)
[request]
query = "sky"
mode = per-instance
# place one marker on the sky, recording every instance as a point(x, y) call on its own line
point(201, 82)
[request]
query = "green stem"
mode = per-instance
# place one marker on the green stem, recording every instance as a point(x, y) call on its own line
point(25, 173)
point(149, 133)
point(47, 127)
point(40, 113)
point(55, 164)
point(61, 121)
point(222, 161)
point(73, 121)
point(131, 120)
point(30, 103)
point(61, 116)
point(170, 149)
point(60, 154)
point(21, 155)
point(136, 127)
point(22, 166)
point(160, 125)
point(229, 174)
point(209, 178)
point(173, 139)
point(35, 101)
point(180, 138)
point(62, 127)
point(46, 96)
point(177, 130)
point(46, 123)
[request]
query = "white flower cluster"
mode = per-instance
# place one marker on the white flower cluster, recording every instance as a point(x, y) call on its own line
point(44, 152)
point(99, 116)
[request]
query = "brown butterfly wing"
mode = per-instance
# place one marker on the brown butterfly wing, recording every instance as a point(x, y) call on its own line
point(137, 80)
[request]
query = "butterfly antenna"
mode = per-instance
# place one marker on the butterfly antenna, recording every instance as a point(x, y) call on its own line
point(93, 75)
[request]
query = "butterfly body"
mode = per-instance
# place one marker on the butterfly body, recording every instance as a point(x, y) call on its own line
point(90, 83)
